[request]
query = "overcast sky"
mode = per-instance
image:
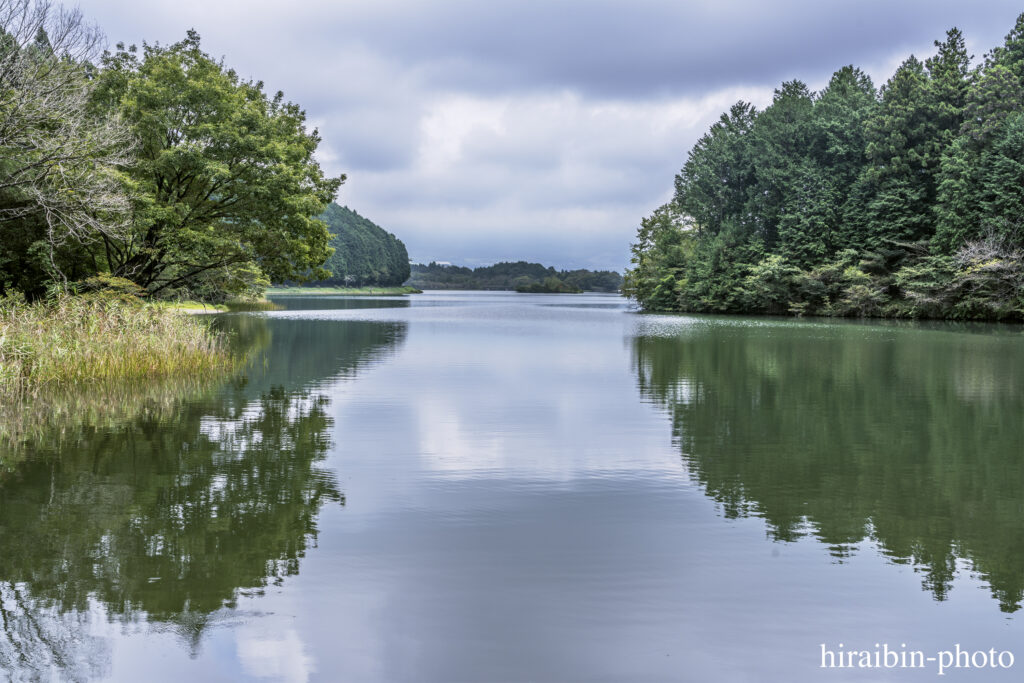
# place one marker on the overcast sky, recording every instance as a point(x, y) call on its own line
point(490, 130)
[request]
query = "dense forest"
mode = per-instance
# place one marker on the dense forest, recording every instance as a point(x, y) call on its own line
point(518, 275)
point(157, 165)
point(854, 201)
point(364, 253)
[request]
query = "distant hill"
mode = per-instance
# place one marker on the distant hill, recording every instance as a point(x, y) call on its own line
point(508, 276)
point(364, 253)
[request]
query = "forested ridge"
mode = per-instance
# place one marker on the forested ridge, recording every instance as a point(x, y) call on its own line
point(509, 275)
point(901, 201)
point(364, 253)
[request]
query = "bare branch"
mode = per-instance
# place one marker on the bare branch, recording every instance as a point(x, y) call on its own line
point(58, 159)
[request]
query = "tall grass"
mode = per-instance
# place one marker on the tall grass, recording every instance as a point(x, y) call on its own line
point(76, 340)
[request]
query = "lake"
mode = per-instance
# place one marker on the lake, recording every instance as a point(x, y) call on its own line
point(469, 486)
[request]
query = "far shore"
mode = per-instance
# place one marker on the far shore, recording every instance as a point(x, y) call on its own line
point(349, 291)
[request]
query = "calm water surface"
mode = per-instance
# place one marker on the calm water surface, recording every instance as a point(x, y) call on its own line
point(501, 487)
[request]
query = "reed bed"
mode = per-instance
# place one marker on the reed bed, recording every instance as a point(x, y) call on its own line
point(71, 341)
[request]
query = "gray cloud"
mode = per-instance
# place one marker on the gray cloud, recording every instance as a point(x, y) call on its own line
point(537, 130)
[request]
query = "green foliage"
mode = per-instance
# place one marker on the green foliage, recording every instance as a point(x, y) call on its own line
point(364, 253)
point(226, 188)
point(550, 285)
point(160, 166)
point(592, 280)
point(660, 253)
point(851, 201)
point(713, 186)
point(105, 283)
point(518, 275)
point(770, 286)
point(60, 186)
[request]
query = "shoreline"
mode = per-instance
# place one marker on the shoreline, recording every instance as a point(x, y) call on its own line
point(343, 291)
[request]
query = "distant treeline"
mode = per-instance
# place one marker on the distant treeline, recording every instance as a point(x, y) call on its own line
point(517, 275)
point(902, 201)
point(364, 253)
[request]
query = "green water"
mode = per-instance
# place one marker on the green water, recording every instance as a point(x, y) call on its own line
point(490, 487)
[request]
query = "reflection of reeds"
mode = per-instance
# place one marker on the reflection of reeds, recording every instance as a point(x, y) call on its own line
point(91, 362)
point(51, 416)
point(241, 306)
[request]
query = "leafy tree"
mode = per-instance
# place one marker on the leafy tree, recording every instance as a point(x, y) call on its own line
point(593, 280)
point(550, 285)
point(771, 285)
point(899, 148)
point(834, 199)
point(659, 255)
point(976, 191)
point(225, 176)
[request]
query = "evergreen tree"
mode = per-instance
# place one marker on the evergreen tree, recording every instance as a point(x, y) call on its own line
point(965, 205)
point(900, 139)
point(712, 187)
point(780, 142)
point(904, 202)
point(841, 112)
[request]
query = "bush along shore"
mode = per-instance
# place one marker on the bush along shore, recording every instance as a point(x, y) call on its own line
point(66, 340)
point(902, 201)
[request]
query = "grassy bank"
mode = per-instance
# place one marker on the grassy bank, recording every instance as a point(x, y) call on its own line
point(73, 340)
point(359, 291)
point(192, 306)
point(234, 306)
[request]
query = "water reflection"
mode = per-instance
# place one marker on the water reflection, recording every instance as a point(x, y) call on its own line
point(168, 513)
point(308, 352)
point(326, 302)
point(910, 439)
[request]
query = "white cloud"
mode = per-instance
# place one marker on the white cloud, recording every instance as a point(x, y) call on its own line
point(543, 168)
point(280, 656)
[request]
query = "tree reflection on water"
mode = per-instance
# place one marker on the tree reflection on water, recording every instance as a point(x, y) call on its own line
point(169, 514)
point(906, 438)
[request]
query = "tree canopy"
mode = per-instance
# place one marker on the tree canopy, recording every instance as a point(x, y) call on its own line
point(901, 201)
point(226, 185)
point(161, 165)
point(364, 253)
